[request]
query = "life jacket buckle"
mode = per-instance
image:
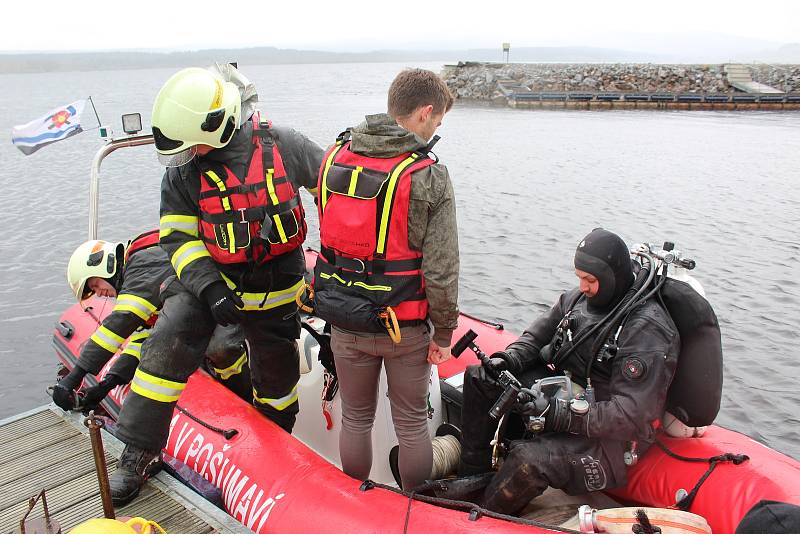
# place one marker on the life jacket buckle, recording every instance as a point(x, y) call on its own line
point(361, 269)
point(242, 218)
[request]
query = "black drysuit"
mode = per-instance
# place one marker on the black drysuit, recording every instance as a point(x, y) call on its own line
point(630, 391)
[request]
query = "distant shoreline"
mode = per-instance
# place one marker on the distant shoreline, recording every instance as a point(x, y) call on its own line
point(20, 63)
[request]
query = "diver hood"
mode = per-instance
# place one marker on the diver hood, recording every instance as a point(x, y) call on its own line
point(605, 255)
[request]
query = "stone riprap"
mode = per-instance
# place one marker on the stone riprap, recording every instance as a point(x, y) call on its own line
point(478, 81)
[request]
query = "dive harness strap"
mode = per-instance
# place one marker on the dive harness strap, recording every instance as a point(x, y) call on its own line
point(246, 215)
point(686, 502)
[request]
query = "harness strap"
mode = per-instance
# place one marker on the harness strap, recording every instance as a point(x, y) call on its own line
point(243, 188)
point(735, 459)
point(370, 266)
point(250, 214)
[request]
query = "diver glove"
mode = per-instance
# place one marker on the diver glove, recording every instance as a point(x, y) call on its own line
point(225, 305)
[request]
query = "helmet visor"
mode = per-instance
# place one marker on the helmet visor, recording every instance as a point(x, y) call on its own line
point(178, 159)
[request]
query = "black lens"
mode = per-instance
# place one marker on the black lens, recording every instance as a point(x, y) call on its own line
point(95, 258)
point(230, 126)
point(213, 121)
point(163, 142)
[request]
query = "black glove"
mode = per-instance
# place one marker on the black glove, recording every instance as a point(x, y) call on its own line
point(224, 304)
point(559, 416)
point(90, 398)
point(498, 362)
point(64, 390)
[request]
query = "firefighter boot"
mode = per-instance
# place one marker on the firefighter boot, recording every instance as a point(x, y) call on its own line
point(134, 467)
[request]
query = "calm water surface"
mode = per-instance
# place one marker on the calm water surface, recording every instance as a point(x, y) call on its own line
point(529, 184)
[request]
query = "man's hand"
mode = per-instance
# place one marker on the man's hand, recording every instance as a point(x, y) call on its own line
point(224, 304)
point(90, 398)
point(437, 354)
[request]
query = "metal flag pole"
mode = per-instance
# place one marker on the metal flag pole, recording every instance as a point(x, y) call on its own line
point(95, 112)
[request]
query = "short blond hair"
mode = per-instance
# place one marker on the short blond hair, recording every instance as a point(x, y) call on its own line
point(414, 88)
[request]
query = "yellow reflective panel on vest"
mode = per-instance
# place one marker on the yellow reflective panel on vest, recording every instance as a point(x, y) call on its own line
point(387, 203)
point(328, 163)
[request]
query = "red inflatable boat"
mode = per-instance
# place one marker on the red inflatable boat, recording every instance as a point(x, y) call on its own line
point(275, 482)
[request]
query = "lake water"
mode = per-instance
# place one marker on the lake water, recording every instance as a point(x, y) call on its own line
point(529, 184)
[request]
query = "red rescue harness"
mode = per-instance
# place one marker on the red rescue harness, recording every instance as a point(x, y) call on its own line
point(365, 262)
point(255, 219)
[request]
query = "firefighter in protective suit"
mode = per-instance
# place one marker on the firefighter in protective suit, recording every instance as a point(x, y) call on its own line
point(583, 444)
point(232, 225)
point(133, 275)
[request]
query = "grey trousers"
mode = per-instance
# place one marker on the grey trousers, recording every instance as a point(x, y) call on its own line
point(359, 357)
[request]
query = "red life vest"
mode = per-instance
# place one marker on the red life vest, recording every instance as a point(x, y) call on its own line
point(256, 219)
point(365, 262)
point(141, 242)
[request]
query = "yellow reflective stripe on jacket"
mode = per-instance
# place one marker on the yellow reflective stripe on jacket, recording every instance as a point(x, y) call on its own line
point(187, 253)
point(328, 163)
point(265, 301)
point(387, 203)
point(231, 370)
point(281, 403)
point(335, 276)
point(138, 306)
point(107, 339)
point(134, 346)
point(188, 224)
point(157, 389)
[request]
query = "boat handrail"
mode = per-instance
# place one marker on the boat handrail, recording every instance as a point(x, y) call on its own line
point(94, 184)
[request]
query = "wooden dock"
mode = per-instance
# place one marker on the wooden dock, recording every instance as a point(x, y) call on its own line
point(48, 449)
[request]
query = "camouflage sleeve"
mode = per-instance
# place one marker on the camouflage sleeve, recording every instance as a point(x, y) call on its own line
point(433, 230)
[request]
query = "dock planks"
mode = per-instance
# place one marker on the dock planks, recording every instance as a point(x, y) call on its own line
point(47, 449)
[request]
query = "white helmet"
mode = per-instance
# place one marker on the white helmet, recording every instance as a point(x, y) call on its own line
point(195, 107)
point(93, 258)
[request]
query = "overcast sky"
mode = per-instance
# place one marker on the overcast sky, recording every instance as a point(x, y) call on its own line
point(359, 25)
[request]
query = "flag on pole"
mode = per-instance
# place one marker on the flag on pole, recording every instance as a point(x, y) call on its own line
point(56, 125)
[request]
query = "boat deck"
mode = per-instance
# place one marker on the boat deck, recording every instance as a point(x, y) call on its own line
point(48, 449)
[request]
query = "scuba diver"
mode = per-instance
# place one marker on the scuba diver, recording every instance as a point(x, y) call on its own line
point(608, 337)
point(133, 275)
point(232, 225)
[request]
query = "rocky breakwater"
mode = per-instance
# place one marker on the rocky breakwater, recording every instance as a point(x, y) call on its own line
point(478, 81)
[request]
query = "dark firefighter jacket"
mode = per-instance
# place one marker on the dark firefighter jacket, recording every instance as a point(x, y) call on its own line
point(180, 193)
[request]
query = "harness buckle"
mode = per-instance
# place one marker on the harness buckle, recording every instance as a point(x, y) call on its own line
point(242, 218)
point(363, 267)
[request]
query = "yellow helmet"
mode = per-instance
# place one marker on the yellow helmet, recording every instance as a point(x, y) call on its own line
point(94, 258)
point(195, 107)
point(103, 526)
